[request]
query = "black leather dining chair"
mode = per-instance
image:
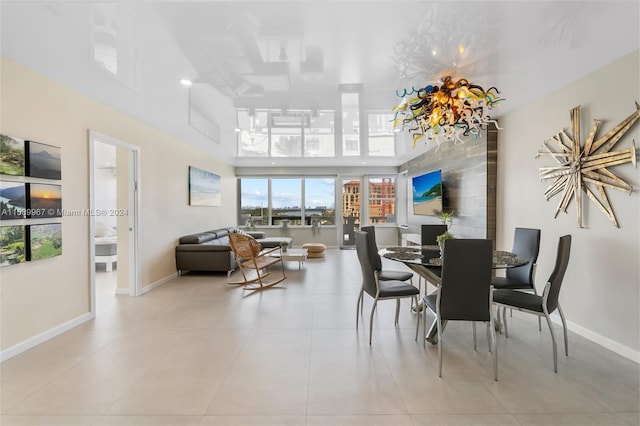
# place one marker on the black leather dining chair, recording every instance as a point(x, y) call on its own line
point(526, 245)
point(465, 292)
point(429, 233)
point(373, 286)
point(383, 274)
point(428, 237)
point(544, 305)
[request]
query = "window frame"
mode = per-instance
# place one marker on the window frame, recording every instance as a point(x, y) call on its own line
point(270, 218)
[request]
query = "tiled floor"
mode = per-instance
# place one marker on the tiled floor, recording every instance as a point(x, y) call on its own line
point(198, 351)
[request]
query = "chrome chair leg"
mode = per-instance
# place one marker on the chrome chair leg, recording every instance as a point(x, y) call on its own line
point(553, 340)
point(439, 323)
point(416, 300)
point(373, 310)
point(493, 344)
point(564, 329)
point(539, 318)
point(397, 310)
point(418, 323)
point(504, 321)
point(475, 344)
point(424, 327)
point(359, 306)
point(489, 333)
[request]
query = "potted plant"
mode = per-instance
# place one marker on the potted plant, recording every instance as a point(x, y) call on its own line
point(284, 227)
point(251, 225)
point(446, 219)
point(441, 239)
point(283, 246)
point(315, 226)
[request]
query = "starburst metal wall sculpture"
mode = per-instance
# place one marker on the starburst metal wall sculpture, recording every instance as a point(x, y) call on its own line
point(583, 167)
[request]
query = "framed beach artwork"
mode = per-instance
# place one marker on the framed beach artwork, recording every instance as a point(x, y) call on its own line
point(204, 188)
point(12, 245)
point(12, 154)
point(45, 241)
point(427, 193)
point(43, 161)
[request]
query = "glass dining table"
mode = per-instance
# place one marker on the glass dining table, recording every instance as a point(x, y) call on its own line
point(426, 261)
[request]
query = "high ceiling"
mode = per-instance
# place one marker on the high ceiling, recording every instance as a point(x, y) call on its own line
point(287, 55)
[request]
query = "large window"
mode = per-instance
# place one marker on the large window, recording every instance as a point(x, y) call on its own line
point(382, 200)
point(286, 201)
point(269, 201)
point(254, 200)
point(320, 198)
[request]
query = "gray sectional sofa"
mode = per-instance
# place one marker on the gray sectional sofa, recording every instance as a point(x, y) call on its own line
point(210, 250)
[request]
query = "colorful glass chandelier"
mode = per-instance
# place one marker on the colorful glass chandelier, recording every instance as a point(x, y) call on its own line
point(454, 110)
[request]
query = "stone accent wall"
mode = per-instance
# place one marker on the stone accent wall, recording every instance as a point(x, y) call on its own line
point(469, 176)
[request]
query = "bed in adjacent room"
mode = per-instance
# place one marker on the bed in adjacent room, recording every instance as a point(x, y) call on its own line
point(106, 245)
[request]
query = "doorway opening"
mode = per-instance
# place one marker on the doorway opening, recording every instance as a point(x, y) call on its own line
point(351, 202)
point(114, 227)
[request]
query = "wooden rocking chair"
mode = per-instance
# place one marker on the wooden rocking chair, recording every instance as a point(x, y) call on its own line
point(249, 255)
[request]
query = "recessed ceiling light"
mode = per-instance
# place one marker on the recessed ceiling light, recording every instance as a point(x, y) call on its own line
point(237, 130)
point(186, 82)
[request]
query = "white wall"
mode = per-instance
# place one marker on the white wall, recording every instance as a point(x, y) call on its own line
point(601, 291)
point(39, 296)
point(105, 181)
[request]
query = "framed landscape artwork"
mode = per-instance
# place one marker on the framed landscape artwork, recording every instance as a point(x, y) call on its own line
point(44, 161)
point(44, 200)
point(12, 154)
point(204, 188)
point(12, 245)
point(45, 241)
point(12, 200)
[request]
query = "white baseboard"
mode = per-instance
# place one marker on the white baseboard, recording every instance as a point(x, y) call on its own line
point(601, 340)
point(43, 337)
point(158, 283)
point(56, 331)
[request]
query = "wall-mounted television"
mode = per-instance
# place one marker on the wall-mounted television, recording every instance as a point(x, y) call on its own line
point(427, 193)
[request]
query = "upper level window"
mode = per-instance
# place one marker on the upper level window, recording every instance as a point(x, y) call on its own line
point(381, 135)
point(319, 135)
point(350, 124)
point(286, 132)
point(253, 139)
point(311, 133)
